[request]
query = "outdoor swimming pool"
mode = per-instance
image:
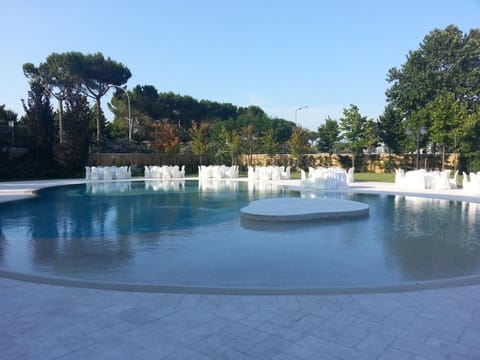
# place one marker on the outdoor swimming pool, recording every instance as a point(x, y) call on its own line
point(190, 234)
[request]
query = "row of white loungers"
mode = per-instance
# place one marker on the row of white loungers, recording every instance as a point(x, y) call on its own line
point(423, 179)
point(471, 183)
point(218, 172)
point(333, 178)
point(164, 172)
point(107, 172)
point(268, 173)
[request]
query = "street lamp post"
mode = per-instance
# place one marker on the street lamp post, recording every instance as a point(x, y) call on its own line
point(298, 109)
point(419, 133)
point(128, 102)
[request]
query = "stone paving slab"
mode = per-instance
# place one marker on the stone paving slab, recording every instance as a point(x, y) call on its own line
point(53, 322)
point(40, 321)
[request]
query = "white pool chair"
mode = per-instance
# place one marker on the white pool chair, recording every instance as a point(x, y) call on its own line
point(351, 176)
point(285, 175)
point(107, 173)
point(453, 182)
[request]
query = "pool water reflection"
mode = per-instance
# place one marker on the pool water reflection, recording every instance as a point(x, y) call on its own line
point(190, 234)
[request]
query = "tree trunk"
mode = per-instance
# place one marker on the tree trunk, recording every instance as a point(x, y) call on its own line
point(99, 127)
point(455, 153)
point(443, 156)
point(60, 121)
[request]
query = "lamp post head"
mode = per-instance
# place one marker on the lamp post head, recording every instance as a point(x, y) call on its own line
point(301, 108)
point(298, 109)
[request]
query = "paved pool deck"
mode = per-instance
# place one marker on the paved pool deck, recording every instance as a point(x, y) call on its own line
point(40, 321)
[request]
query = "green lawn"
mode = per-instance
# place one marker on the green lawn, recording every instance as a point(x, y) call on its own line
point(384, 177)
point(360, 177)
point(388, 177)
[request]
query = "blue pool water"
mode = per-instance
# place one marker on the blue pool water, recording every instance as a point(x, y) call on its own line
point(191, 234)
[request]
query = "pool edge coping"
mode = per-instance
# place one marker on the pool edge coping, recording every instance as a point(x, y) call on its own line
point(260, 291)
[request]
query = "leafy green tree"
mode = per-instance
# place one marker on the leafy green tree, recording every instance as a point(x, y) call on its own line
point(213, 111)
point(92, 126)
point(230, 142)
point(356, 131)
point(460, 131)
point(371, 135)
point(445, 62)
point(124, 116)
point(268, 143)
point(148, 106)
point(470, 74)
point(72, 154)
point(298, 144)
point(391, 130)
point(92, 73)
point(471, 129)
point(328, 136)
point(145, 111)
point(252, 111)
point(115, 131)
point(97, 73)
point(446, 114)
point(39, 122)
point(283, 129)
point(144, 100)
point(432, 68)
point(57, 75)
point(177, 109)
point(165, 138)
point(249, 138)
point(260, 122)
point(200, 135)
point(6, 116)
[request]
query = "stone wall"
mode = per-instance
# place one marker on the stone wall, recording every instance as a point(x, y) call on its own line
point(367, 163)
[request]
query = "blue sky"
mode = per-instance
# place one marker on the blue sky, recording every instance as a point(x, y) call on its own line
point(279, 55)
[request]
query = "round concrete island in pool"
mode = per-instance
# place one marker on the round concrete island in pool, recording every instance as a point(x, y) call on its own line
point(297, 210)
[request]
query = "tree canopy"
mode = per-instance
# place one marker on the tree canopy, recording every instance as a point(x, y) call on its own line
point(438, 86)
point(39, 121)
point(91, 74)
point(356, 130)
point(328, 136)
